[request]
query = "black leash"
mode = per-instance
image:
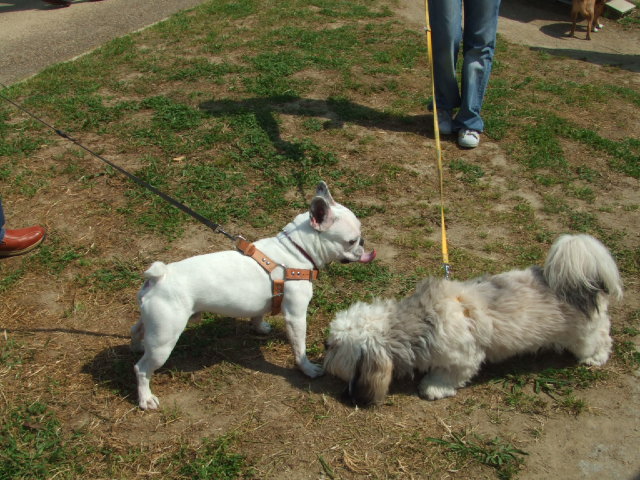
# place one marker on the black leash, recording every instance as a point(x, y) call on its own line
point(213, 226)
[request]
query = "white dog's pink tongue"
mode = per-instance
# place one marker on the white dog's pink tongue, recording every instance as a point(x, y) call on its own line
point(367, 257)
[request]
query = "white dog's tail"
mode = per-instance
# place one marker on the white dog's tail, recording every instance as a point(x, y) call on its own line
point(578, 268)
point(156, 271)
point(153, 275)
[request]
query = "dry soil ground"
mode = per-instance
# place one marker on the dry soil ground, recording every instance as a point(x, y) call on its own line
point(73, 345)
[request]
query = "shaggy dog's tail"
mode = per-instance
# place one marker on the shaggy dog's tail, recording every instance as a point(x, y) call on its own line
point(579, 268)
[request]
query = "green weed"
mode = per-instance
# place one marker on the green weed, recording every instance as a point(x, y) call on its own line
point(10, 279)
point(525, 403)
point(582, 221)
point(55, 255)
point(212, 460)
point(372, 279)
point(543, 148)
point(32, 445)
point(496, 453)
point(10, 354)
point(172, 115)
point(627, 351)
point(557, 384)
point(470, 173)
point(117, 276)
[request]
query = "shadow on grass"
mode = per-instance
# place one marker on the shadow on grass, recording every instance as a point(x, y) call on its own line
point(620, 60)
point(335, 112)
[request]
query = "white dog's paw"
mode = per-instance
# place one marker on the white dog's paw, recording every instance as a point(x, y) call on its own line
point(435, 392)
point(149, 402)
point(311, 369)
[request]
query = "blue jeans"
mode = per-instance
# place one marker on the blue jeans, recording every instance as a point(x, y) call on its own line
point(478, 46)
point(1, 221)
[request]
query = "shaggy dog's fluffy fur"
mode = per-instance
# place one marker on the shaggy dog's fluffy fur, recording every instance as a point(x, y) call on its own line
point(447, 329)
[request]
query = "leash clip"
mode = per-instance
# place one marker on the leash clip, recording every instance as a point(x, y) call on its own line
point(447, 270)
point(233, 238)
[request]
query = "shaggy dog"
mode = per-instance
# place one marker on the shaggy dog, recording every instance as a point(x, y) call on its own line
point(447, 329)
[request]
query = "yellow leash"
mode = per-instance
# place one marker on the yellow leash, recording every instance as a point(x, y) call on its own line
point(436, 130)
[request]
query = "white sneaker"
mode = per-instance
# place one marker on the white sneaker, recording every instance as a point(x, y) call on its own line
point(445, 122)
point(468, 138)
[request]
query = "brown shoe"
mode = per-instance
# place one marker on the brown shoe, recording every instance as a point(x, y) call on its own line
point(22, 240)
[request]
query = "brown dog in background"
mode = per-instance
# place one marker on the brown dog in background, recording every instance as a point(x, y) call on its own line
point(591, 11)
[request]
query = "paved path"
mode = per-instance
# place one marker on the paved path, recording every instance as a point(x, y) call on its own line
point(34, 35)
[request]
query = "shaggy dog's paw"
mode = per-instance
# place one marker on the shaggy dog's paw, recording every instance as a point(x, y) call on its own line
point(430, 391)
point(596, 360)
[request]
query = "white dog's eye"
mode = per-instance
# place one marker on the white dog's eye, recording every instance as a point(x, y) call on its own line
point(353, 242)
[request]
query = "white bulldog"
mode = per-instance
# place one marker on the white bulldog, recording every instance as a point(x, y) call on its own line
point(235, 284)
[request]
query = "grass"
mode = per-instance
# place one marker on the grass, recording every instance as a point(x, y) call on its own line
point(495, 452)
point(470, 173)
point(558, 385)
point(237, 109)
point(33, 445)
point(211, 460)
point(10, 352)
point(11, 279)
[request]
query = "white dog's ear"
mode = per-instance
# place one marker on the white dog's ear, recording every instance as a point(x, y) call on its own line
point(321, 214)
point(322, 190)
point(373, 376)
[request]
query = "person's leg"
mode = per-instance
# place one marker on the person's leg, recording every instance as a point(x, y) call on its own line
point(1, 221)
point(445, 17)
point(479, 41)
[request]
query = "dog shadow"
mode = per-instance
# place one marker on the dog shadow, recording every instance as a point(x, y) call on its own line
point(215, 340)
point(529, 364)
point(492, 373)
point(202, 346)
point(562, 30)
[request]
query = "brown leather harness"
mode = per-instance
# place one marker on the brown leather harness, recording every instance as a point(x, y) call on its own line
point(250, 250)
